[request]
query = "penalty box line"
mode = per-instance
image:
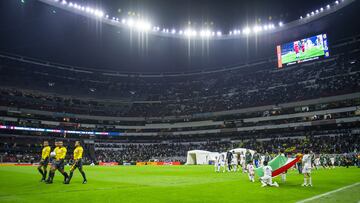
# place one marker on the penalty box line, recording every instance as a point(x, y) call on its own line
point(328, 193)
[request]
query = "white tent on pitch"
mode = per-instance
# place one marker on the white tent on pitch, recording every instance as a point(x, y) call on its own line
point(243, 150)
point(200, 157)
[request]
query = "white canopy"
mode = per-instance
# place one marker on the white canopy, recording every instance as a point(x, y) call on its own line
point(200, 157)
point(243, 150)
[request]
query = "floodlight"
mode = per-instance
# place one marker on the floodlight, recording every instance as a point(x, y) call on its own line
point(246, 30)
point(142, 25)
point(130, 22)
point(257, 29)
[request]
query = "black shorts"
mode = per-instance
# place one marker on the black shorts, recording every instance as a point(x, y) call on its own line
point(44, 162)
point(77, 164)
point(58, 164)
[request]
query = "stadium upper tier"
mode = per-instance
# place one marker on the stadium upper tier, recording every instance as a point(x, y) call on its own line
point(37, 85)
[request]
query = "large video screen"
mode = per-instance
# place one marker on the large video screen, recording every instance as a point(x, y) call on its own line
point(303, 50)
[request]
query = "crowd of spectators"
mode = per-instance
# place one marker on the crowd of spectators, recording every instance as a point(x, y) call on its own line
point(13, 149)
point(173, 96)
point(143, 152)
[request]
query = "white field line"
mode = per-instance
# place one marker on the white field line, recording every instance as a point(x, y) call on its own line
point(328, 193)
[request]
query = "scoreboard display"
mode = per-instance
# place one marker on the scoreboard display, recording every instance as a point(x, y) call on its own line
point(299, 51)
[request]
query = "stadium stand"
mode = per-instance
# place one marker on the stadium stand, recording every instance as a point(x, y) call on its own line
point(162, 117)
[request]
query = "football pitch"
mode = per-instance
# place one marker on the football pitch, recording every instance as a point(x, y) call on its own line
point(310, 53)
point(174, 184)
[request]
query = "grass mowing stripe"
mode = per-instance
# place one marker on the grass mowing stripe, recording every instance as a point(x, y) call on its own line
point(328, 193)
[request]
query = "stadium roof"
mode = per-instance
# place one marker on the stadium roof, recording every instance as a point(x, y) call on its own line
point(35, 29)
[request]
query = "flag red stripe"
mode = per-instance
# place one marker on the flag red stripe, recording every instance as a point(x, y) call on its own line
point(285, 167)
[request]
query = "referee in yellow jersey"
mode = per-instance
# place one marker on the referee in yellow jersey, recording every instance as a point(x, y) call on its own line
point(78, 154)
point(58, 162)
point(45, 157)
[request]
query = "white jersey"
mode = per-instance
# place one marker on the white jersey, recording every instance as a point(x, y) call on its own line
point(267, 171)
point(242, 158)
point(234, 160)
point(306, 160)
point(250, 168)
point(217, 161)
point(222, 159)
point(332, 159)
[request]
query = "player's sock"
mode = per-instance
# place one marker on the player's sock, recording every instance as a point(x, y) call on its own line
point(83, 175)
point(305, 181)
point(44, 175)
point(66, 177)
point(71, 175)
point(51, 177)
point(310, 181)
point(41, 172)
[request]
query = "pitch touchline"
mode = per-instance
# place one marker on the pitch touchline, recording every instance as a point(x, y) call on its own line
point(328, 193)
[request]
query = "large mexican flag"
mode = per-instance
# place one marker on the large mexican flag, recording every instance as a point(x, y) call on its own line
point(279, 165)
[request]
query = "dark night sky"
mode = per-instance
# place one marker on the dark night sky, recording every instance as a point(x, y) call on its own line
point(37, 30)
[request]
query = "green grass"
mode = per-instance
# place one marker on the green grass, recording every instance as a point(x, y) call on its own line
point(168, 184)
point(348, 195)
point(310, 53)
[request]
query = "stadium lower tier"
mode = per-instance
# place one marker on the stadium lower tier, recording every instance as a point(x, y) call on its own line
point(27, 148)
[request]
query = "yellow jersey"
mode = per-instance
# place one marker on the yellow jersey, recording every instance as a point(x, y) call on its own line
point(60, 153)
point(78, 152)
point(300, 155)
point(45, 152)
